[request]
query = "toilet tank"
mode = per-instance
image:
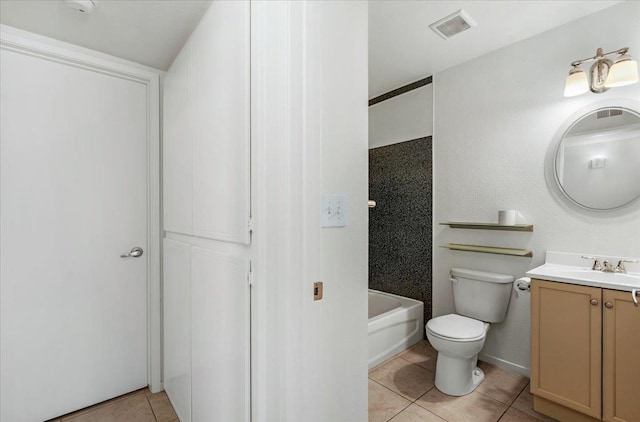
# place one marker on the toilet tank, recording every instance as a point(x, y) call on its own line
point(481, 295)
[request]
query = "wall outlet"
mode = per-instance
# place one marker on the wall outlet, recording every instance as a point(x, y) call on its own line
point(334, 210)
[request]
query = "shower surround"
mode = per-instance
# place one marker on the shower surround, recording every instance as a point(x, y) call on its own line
point(400, 226)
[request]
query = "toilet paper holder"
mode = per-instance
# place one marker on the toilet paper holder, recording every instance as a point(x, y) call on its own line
point(522, 285)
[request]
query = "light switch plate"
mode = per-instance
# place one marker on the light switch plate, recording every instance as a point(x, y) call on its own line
point(334, 210)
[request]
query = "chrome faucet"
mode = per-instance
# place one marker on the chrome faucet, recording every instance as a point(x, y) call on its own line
point(596, 262)
point(621, 268)
point(607, 266)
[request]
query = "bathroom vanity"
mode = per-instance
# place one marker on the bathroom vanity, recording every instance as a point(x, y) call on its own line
point(585, 342)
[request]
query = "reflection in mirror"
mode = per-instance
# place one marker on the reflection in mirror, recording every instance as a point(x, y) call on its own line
point(597, 163)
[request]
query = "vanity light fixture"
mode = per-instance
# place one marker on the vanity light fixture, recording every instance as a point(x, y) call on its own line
point(604, 73)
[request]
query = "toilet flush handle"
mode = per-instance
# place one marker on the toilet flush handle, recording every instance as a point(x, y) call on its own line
point(453, 280)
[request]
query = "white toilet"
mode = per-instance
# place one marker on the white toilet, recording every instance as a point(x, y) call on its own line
point(480, 298)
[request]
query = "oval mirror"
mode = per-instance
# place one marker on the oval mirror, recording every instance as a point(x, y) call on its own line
point(597, 161)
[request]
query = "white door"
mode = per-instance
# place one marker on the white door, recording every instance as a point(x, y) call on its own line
point(73, 186)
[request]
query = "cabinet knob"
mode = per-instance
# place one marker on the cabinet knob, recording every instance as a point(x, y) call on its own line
point(608, 305)
point(594, 302)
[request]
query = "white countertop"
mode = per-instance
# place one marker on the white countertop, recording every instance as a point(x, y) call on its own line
point(571, 268)
point(585, 276)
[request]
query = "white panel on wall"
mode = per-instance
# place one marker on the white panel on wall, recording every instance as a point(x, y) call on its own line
point(403, 118)
point(177, 177)
point(220, 336)
point(221, 123)
point(177, 326)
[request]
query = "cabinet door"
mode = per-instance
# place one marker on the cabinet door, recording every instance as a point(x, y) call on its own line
point(220, 99)
point(566, 336)
point(621, 368)
point(220, 336)
point(177, 326)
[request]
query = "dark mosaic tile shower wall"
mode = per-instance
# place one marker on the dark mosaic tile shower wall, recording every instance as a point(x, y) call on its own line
point(400, 181)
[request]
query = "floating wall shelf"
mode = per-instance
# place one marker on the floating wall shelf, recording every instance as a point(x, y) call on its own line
point(490, 226)
point(489, 249)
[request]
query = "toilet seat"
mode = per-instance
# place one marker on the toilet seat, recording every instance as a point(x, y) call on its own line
point(454, 327)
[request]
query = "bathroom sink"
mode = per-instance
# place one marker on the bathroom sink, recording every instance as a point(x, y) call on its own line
point(586, 276)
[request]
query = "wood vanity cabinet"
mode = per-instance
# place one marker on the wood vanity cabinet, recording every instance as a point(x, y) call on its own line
point(585, 353)
point(621, 357)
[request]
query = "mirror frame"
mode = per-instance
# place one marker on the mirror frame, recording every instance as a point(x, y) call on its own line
point(551, 175)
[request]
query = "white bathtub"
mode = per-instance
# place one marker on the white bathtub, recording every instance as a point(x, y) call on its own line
point(395, 324)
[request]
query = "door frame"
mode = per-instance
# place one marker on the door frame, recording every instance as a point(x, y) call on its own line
point(23, 42)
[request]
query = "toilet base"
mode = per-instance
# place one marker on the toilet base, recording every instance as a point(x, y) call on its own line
point(457, 377)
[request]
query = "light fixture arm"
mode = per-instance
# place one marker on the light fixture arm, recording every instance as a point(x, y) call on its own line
point(600, 55)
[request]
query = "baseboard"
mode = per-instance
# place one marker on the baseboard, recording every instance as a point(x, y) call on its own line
point(518, 369)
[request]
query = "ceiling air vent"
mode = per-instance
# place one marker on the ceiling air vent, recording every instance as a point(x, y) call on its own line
point(453, 24)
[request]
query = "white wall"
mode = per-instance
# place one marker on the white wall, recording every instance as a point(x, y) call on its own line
point(494, 120)
point(343, 36)
point(334, 160)
point(309, 137)
point(402, 118)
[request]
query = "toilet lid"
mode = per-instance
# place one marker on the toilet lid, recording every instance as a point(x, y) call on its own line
point(456, 326)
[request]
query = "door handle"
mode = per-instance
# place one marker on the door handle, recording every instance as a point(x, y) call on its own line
point(134, 253)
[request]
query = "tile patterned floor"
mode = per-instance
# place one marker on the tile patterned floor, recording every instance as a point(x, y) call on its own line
point(138, 406)
point(402, 389)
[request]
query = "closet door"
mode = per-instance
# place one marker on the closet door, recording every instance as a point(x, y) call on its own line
point(177, 326)
point(220, 98)
point(207, 209)
point(220, 336)
point(177, 174)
